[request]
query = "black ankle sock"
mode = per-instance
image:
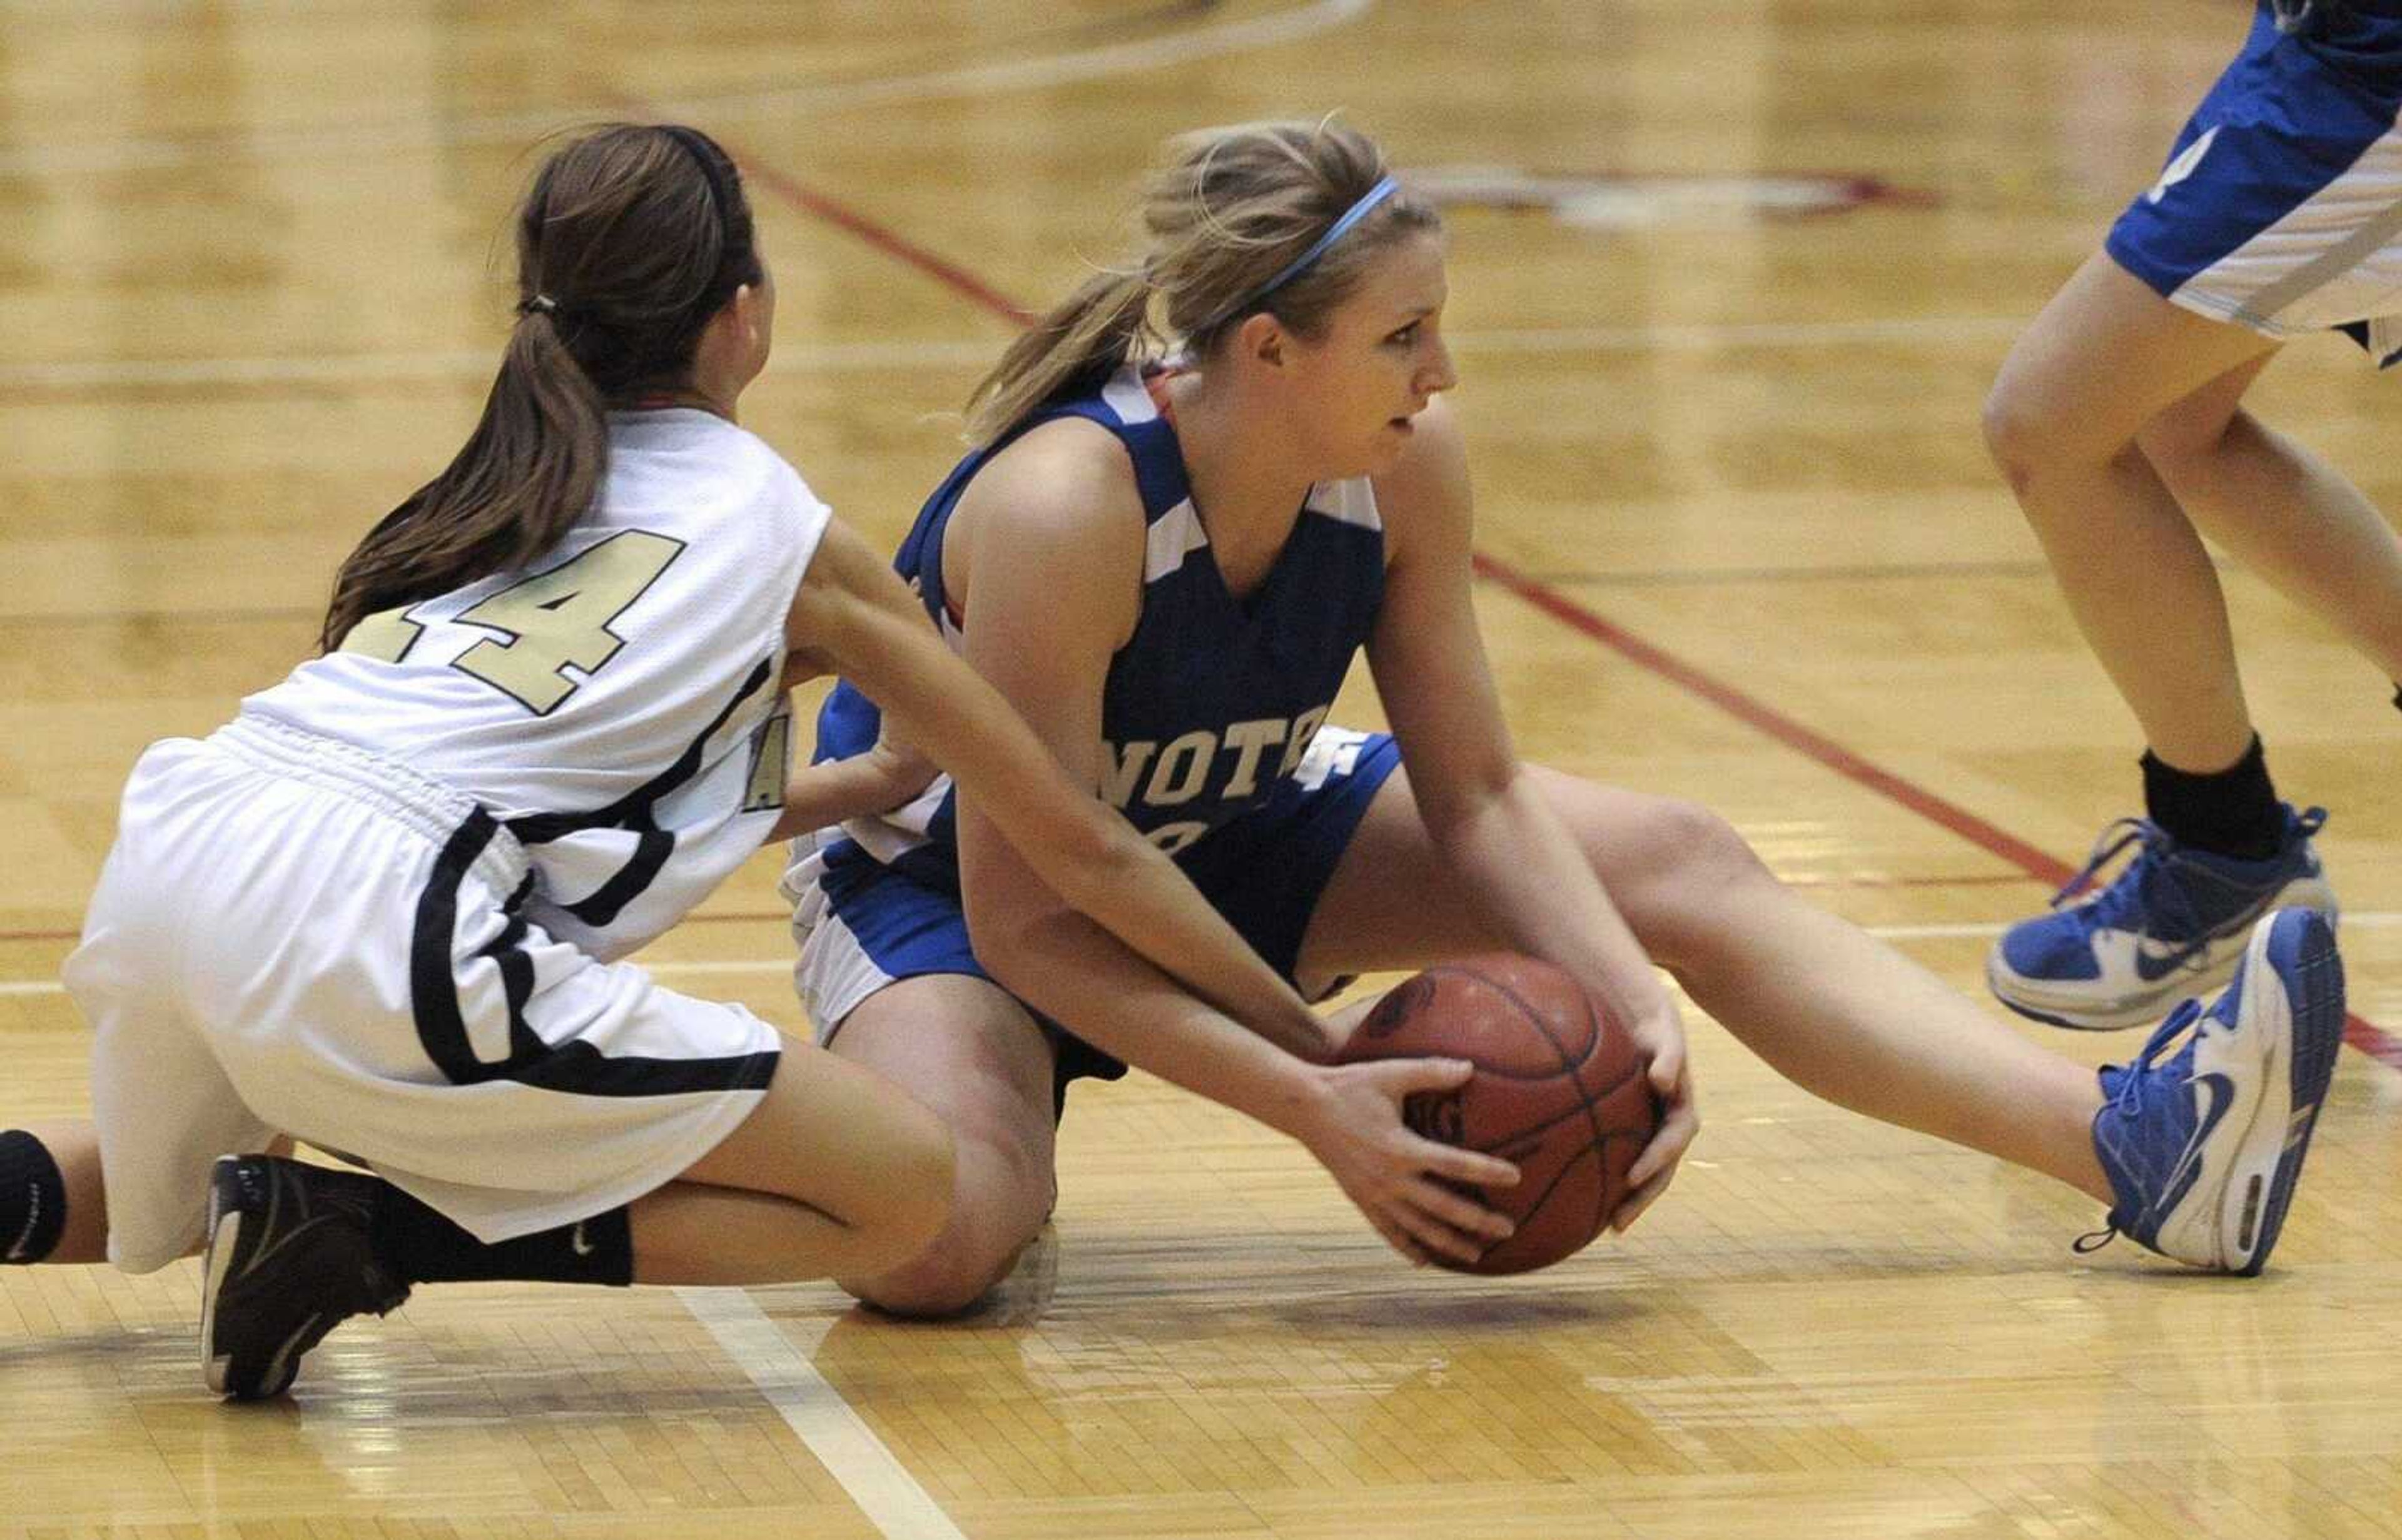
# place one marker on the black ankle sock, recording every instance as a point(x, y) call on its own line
point(2230, 812)
point(32, 1199)
point(421, 1246)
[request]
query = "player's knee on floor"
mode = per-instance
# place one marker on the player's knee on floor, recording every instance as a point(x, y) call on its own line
point(917, 1205)
point(999, 1203)
point(944, 1280)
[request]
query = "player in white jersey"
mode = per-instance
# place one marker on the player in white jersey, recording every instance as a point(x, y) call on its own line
point(2119, 421)
point(378, 912)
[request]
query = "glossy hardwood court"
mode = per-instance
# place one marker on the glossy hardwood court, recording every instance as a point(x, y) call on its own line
point(1729, 282)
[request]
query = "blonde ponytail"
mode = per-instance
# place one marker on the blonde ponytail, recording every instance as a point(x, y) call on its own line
point(1224, 218)
point(1084, 337)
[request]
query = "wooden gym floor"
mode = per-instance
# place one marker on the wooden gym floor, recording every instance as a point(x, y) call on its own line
point(1730, 281)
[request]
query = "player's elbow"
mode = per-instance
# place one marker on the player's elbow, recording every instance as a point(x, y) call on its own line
point(1105, 860)
point(1090, 860)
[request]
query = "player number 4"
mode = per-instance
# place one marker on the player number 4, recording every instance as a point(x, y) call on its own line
point(551, 621)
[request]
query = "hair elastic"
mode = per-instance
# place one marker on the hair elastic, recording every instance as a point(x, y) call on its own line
point(1334, 232)
point(541, 304)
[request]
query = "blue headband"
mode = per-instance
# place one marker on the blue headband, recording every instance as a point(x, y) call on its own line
point(1334, 232)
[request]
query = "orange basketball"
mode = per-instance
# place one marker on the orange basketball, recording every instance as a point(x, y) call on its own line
point(1559, 1091)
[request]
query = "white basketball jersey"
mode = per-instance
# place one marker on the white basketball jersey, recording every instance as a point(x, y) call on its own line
point(615, 704)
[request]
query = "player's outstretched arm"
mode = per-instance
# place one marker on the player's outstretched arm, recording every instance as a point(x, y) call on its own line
point(818, 796)
point(1520, 865)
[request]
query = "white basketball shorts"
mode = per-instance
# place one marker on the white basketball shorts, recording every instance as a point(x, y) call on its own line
point(293, 936)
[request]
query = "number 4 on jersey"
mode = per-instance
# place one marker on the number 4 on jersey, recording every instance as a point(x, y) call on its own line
point(552, 620)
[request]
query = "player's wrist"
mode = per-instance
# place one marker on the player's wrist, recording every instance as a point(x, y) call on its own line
point(1298, 1100)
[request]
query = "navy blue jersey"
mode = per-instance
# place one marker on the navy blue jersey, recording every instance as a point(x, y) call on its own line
point(1210, 702)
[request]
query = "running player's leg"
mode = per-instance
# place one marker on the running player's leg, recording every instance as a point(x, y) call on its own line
point(972, 1053)
point(2116, 420)
point(2284, 512)
point(2109, 368)
point(2104, 358)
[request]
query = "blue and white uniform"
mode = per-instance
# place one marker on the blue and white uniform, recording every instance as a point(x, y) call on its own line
point(379, 910)
point(2279, 208)
point(1213, 721)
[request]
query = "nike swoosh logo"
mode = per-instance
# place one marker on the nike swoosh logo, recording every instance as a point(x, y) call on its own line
point(2221, 1095)
point(583, 1247)
point(2155, 960)
point(2152, 966)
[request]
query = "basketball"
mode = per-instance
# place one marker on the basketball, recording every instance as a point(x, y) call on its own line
point(1559, 1090)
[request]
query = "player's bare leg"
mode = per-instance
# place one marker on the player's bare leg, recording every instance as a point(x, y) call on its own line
point(833, 1170)
point(1829, 1007)
point(966, 1049)
point(2105, 358)
point(2284, 512)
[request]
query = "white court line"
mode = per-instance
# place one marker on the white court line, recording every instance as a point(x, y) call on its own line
point(2362, 920)
point(966, 352)
point(849, 1448)
point(332, 141)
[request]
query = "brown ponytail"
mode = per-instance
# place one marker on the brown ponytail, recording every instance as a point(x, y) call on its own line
point(628, 242)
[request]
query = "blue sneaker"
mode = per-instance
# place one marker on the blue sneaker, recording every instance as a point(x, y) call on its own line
point(2202, 1150)
point(2170, 926)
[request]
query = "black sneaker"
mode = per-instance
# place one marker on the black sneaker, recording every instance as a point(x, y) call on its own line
point(289, 1259)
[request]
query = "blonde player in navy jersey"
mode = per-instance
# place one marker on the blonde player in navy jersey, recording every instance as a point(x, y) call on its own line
point(377, 911)
point(1166, 551)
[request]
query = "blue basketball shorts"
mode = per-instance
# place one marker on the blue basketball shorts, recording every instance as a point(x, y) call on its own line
point(861, 929)
point(2279, 208)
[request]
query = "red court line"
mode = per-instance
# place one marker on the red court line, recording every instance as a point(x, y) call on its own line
point(1753, 713)
point(1804, 740)
point(885, 240)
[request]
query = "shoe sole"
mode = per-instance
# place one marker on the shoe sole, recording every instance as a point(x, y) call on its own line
point(225, 1239)
point(2065, 1007)
point(2307, 974)
point(2119, 1015)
